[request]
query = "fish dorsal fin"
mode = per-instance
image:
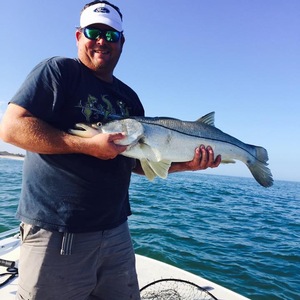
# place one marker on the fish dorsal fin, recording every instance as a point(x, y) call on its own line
point(208, 119)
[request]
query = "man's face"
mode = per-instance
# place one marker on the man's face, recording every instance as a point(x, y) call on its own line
point(99, 55)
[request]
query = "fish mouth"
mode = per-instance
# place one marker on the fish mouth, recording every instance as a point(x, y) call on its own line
point(84, 127)
point(79, 127)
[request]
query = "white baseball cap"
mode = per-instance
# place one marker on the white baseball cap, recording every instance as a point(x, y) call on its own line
point(101, 13)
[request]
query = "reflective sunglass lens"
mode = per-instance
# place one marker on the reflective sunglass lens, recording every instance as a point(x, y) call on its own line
point(112, 36)
point(91, 34)
point(109, 35)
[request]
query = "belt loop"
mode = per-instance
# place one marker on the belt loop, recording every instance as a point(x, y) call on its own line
point(67, 243)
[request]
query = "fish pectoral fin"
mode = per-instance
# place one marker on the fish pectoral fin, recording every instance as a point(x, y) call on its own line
point(228, 161)
point(153, 169)
point(150, 153)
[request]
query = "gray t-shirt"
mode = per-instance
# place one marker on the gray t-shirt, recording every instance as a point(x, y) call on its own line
point(74, 192)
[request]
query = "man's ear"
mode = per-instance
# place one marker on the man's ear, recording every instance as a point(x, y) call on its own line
point(123, 39)
point(78, 35)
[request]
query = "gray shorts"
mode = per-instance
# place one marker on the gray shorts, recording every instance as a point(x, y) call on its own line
point(98, 265)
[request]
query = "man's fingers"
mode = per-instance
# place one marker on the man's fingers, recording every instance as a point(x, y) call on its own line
point(206, 157)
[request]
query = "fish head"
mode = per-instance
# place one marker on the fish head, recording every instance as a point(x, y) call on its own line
point(132, 129)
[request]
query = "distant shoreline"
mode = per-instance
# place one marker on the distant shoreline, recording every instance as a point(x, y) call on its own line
point(5, 154)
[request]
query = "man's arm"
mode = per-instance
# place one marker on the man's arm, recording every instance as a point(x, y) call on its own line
point(20, 128)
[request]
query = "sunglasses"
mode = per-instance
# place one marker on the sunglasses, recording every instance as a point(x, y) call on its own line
point(93, 34)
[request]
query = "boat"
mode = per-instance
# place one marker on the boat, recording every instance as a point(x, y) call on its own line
point(157, 279)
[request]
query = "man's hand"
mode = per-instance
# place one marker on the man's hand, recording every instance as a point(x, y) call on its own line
point(104, 146)
point(203, 159)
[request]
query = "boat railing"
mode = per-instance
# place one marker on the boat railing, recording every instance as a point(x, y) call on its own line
point(9, 233)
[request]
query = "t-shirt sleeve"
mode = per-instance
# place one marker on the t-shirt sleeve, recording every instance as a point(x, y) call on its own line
point(42, 91)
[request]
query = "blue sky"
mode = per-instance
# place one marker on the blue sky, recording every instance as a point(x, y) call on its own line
point(239, 58)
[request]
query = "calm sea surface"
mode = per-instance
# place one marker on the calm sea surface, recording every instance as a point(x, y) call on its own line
point(226, 229)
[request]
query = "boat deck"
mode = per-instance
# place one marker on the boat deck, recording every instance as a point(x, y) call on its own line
point(148, 270)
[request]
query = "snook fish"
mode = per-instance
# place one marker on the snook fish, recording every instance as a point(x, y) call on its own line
point(157, 142)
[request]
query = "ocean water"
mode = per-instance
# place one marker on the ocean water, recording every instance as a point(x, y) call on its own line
point(226, 229)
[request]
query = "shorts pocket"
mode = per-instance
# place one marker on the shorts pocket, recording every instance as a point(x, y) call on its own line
point(27, 230)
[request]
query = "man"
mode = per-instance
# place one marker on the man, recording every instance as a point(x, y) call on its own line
point(74, 203)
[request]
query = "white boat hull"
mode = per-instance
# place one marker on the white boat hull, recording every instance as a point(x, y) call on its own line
point(148, 270)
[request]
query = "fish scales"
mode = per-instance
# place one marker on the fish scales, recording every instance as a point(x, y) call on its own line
point(196, 130)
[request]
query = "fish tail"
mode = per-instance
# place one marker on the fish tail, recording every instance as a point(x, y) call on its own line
point(259, 169)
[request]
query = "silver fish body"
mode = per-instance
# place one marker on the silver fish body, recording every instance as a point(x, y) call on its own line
point(157, 142)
